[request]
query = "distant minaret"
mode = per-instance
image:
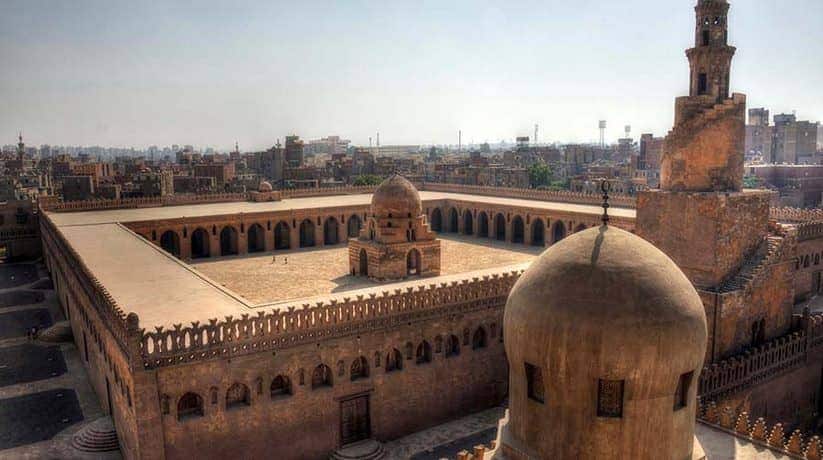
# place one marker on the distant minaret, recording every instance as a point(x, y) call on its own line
point(21, 147)
point(459, 140)
point(711, 58)
point(535, 134)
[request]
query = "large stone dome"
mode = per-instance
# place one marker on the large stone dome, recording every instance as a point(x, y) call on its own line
point(398, 197)
point(604, 314)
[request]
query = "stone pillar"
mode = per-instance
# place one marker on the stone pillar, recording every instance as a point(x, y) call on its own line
point(185, 244)
point(342, 233)
point(319, 234)
point(509, 230)
point(268, 238)
point(527, 231)
point(294, 236)
point(243, 240)
point(214, 243)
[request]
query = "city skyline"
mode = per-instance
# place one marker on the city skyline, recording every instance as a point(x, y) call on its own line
point(122, 75)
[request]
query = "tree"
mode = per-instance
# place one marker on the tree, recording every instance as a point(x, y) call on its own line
point(367, 179)
point(540, 174)
point(751, 182)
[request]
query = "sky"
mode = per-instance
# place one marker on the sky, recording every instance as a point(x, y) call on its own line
point(209, 73)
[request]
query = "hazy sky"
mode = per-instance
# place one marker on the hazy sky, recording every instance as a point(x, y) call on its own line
point(138, 73)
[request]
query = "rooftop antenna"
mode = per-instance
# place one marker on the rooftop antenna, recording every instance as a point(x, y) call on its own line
point(605, 187)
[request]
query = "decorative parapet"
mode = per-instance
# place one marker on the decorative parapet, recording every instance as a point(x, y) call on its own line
point(753, 366)
point(809, 230)
point(795, 445)
point(150, 202)
point(77, 275)
point(796, 215)
point(326, 191)
point(625, 201)
point(295, 326)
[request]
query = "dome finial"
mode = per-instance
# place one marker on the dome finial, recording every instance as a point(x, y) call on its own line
point(606, 187)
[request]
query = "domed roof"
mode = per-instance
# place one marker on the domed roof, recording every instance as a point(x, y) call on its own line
point(603, 304)
point(264, 186)
point(396, 196)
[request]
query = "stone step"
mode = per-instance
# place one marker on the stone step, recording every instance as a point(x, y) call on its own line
point(368, 449)
point(97, 436)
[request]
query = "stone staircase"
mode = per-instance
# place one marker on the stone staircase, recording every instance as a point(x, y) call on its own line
point(368, 449)
point(768, 252)
point(97, 436)
point(687, 128)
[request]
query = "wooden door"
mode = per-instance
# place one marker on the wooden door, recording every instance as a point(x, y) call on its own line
point(354, 420)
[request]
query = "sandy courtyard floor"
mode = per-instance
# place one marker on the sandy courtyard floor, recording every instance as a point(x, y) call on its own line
point(324, 271)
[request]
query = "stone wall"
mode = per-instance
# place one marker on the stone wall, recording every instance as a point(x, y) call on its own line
point(20, 230)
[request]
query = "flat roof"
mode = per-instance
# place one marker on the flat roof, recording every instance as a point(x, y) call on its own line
point(216, 209)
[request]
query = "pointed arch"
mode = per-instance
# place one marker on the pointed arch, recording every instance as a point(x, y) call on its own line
point(170, 242)
point(482, 224)
point(394, 360)
point(453, 220)
point(452, 346)
point(558, 231)
point(321, 377)
point(436, 220)
point(331, 235)
point(424, 353)
point(479, 339)
point(228, 241)
point(282, 236)
point(256, 238)
point(306, 233)
point(538, 232)
point(359, 368)
point(518, 230)
point(280, 387)
point(190, 405)
point(238, 396)
point(500, 227)
point(200, 243)
point(354, 225)
point(468, 222)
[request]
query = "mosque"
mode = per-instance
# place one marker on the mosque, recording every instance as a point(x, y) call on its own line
point(618, 334)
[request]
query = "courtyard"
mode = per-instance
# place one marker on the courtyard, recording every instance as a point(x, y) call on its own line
point(297, 274)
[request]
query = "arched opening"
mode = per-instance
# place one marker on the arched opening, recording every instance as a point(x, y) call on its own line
point(468, 223)
point(558, 231)
point(453, 218)
point(306, 233)
point(282, 236)
point(482, 225)
point(228, 241)
point(359, 368)
point(424, 353)
point(394, 360)
point(353, 226)
point(436, 220)
point(238, 396)
point(256, 238)
point(280, 387)
point(190, 405)
point(200, 246)
point(538, 232)
point(413, 262)
point(580, 228)
point(364, 263)
point(321, 377)
point(170, 242)
point(452, 346)
point(518, 230)
point(500, 227)
point(479, 338)
point(330, 228)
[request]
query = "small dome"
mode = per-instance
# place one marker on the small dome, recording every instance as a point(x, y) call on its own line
point(396, 196)
point(604, 305)
point(265, 186)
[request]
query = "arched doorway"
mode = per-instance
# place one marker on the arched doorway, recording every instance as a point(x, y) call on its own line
point(538, 232)
point(256, 238)
point(482, 224)
point(500, 227)
point(170, 242)
point(330, 228)
point(306, 233)
point(558, 231)
point(353, 226)
point(518, 230)
point(468, 223)
point(364, 263)
point(436, 220)
point(281, 236)
point(200, 246)
point(228, 241)
point(453, 218)
point(413, 262)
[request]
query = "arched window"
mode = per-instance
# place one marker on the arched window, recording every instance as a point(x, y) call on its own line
point(237, 396)
point(394, 360)
point(359, 368)
point(452, 346)
point(280, 387)
point(479, 338)
point(321, 377)
point(424, 353)
point(190, 405)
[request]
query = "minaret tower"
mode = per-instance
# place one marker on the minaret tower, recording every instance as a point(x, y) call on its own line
point(711, 58)
point(21, 147)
